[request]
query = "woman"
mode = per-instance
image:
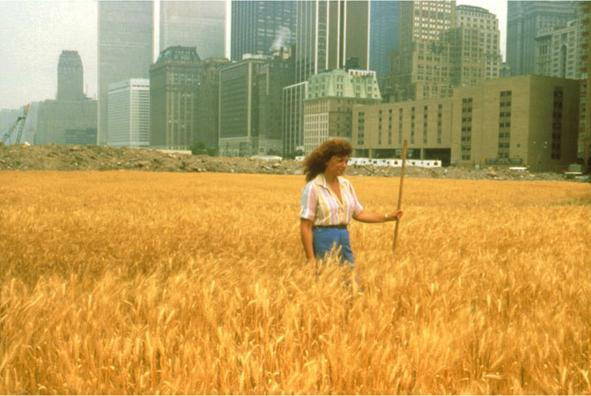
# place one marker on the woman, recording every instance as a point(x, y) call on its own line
point(329, 202)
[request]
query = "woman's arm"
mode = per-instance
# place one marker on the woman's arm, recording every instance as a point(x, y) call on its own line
point(371, 217)
point(306, 234)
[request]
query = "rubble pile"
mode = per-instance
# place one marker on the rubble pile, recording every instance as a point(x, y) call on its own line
point(83, 157)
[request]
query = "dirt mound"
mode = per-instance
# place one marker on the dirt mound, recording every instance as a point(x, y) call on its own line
point(86, 157)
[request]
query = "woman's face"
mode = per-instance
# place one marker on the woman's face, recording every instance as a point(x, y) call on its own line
point(337, 165)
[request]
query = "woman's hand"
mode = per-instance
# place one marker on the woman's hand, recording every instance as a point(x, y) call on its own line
point(395, 216)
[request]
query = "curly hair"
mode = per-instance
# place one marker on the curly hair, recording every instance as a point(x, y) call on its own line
point(315, 162)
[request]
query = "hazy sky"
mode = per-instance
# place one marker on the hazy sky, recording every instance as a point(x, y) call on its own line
point(33, 34)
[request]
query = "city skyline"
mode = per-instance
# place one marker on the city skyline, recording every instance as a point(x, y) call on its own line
point(31, 74)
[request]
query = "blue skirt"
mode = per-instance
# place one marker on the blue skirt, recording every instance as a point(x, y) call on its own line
point(326, 239)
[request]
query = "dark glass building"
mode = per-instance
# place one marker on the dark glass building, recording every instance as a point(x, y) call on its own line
point(262, 27)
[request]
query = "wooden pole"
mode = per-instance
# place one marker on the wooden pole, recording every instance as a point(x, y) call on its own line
point(404, 151)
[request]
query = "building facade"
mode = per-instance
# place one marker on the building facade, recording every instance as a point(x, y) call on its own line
point(174, 97)
point(558, 51)
point(129, 113)
point(261, 27)
point(57, 118)
point(523, 121)
point(476, 53)
point(384, 39)
point(125, 49)
point(200, 24)
point(70, 77)
point(208, 102)
point(250, 120)
point(331, 35)
point(329, 103)
point(585, 117)
point(525, 21)
point(293, 119)
point(421, 68)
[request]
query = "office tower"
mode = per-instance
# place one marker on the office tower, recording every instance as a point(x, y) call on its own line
point(251, 104)
point(421, 68)
point(174, 92)
point(331, 34)
point(261, 26)
point(559, 51)
point(70, 76)
point(71, 117)
point(487, 124)
point(56, 118)
point(129, 113)
point(208, 102)
point(330, 100)
point(293, 119)
point(125, 34)
point(525, 21)
point(476, 54)
point(199, 24)
point(585, 105)
point(384, 32)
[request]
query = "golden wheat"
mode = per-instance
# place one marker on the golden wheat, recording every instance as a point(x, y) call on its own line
point(130, 282)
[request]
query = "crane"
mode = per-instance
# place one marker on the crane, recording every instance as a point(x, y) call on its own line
point(16, 129)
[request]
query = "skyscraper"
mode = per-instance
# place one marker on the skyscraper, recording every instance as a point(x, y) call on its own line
point(174, 92)
point(384, 32)
point(199, 24)
point(129, 113)
point(125, 34)
point(70, 76)
point(331, 34)
point(261, 26)
point(421, 68)
point(558, 51)
point(476, 54)
point(525, 21)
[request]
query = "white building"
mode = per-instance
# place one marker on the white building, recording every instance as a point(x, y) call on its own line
point(128, 113)
point(329, 103)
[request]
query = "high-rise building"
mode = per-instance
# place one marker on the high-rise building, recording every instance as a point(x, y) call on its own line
point(174, 93)
point(525, 21)
point(125, 50)
point(208, 102)
point(70, 76)
point(57, 118)
point(476, 53)
point(384, 32)
point(59, 121)
point(330, 100)
point(129, 113)
point(421, 68)
point(293, 119)
point(199, 24)
point(501, 121)
point(250, 113)
point(261, 26)
point(558, 51)
point(585, 117)
point(331, 34)
point(271, 78)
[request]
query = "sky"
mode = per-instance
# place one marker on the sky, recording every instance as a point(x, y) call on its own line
point(33, 33)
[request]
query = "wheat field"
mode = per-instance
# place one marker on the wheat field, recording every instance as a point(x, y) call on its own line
point(145, 283)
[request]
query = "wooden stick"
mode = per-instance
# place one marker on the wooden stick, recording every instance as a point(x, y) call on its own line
point(404, 150)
